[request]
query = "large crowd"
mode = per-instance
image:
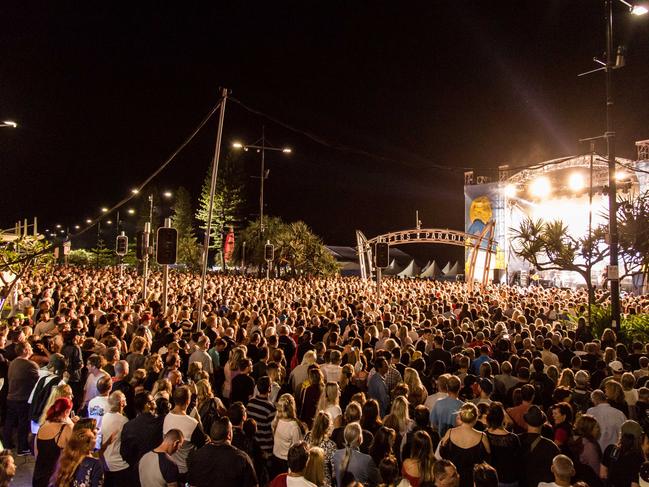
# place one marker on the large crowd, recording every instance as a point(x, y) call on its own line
point(314, 382)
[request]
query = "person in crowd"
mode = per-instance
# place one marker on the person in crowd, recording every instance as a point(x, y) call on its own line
point(22, 377)
point(537, 452)
point(562, 425)
point(311, 395)
point(319, 437)
point(243, 385)
point(287, 430)
point(51, 438)
point(505, 447)
point(218, 463)
point(563, 470)
point(352, 465)
point(157, 468)
point(585, 450)
point(329, 402)
point(444, 412)
point(621, 461)
point(445, 474)
point(298, 461)
point(464, 445)
point(484, 475)
point(49, 378)
point(610, 419)
point(383, 444)
point(193, 434)
point(142, 433)
point(76, 466)
point(377, 387)
point(117, 471)
point(418, 467)
point(263, 412)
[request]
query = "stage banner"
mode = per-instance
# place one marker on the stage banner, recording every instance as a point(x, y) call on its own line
point(484, 202)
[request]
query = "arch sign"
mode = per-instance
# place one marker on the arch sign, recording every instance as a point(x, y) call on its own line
point(481, 243)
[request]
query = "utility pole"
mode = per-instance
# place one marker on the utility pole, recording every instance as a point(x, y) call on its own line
point(613, 272)
point(262, 176)
point(206, 242)
point(145, 268)
point(165, 276)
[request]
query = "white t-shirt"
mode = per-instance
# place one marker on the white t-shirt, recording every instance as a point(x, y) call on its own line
point(113, 423)
point(298, 482)
point(287, 432)
point(97, 407)
point(187, 425)
point(334, 412)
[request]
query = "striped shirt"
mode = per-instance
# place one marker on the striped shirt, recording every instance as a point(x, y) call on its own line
point(263, 412)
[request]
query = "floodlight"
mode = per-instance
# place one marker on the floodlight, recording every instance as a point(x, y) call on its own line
point(287, 150)
point(576, 182)
point(510, 190)
point(639, 10)
point(540, 187)
point(237, 145)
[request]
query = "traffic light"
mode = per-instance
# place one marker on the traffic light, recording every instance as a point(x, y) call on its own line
point(269, 252)
point(382, 255)
point(140, 245)
point(121, 245)
point(167, 246)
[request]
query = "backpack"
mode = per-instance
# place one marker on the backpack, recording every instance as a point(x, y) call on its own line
point(42, 393)
point(208, 413)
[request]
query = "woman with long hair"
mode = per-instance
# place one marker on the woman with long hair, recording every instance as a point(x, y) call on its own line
point(418, 467)
point(208, 407)
point(315, 470)
point(370, 418)
point(621, 462)
point(287, 429)
point(400, 412)
point(584, 445)
point(52, 437)
point(464, 445)
point(231, 369)
point(76, 466)
point(417, 392)
point(311, 395)
point(615, 396)
point(347, 386)
point(567, 379)
point(350, 464)
point(61, 390)
point(153, 366)
point(383, 444)
point(319, 436)
point(505, 447)
point(329, 403)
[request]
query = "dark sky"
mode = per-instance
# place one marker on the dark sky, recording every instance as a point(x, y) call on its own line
point(105, 91)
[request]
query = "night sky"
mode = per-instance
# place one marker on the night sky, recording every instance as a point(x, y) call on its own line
point(104, 92)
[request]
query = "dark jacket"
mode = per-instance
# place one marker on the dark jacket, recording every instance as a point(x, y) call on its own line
point(140, 436)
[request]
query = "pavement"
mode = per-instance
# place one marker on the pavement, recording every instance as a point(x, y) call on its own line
point(24, 471)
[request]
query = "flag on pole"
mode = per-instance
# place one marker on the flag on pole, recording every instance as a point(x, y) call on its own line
point(228, 247)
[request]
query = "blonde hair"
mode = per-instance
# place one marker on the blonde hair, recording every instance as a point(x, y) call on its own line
point(400, 412)
point(62, 390)
point(567, 379)
point(78, 447)
point(468, 413)
point(315, 466)
point(329, 396)
point(285, 410)
point(320, 430)
point(203, 391)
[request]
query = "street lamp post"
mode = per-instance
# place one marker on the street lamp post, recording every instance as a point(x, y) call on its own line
point(262, 173)
point(8, 123)
point(611, 64)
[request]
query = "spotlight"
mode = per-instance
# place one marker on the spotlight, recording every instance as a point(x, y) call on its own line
point(540, 187)
point(511, 190)
point(576, 182)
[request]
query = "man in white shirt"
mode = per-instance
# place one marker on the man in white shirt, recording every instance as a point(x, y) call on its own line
point(201, 355)
point(190, 428)
point(442, 382)
point(156, 468)
point(609, 418)
point(298, 455)
point(112, 423)
point(563, 470)
point(332, 369)
point(98, 405)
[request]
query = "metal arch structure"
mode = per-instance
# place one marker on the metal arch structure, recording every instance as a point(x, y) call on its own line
point(484, 242)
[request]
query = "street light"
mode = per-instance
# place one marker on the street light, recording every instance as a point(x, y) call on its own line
point(9, 123)
point(262, 174)
point(135, 191)
point(130, 211)
point(104, 210)
point(167, 194)
point(609, 66)
point(88, 221)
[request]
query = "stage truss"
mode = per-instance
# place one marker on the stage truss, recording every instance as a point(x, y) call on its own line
point(484, 242)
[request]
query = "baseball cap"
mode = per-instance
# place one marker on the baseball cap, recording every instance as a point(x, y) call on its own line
point(630, 427)
point(616, 366)
point(535, 417)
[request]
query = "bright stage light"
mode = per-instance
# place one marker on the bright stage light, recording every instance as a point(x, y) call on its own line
point(510, 190)
point(576, 182)
point(621, 175)
point(540, 187)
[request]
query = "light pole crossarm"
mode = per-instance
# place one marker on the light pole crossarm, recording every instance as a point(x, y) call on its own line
point(263, 147)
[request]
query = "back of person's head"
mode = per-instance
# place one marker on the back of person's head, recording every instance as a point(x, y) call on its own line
point(264, 385)
point(237, 413)
point(115, 401)
point(173, 435)
point(421, 416)
point(454, 384)
point(221, 429)
point(527, 393)
point(495, 415)
point(389, 470)
point(484, 475)
point(121, 367)
point(58, 410)
point(298, 455)
point(181, 396)
point(597, 396)
point(468, 413)
point(352, 413)
point(353, 435)
point(563, 468)
point(104, 384)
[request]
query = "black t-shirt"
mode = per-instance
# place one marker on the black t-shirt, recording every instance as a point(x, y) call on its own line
point(243, 386)
point(623, 468)
point(216, 465)
point(536, 459)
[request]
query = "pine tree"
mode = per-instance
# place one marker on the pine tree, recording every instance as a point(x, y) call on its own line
point(228, 201)
point(189, 252)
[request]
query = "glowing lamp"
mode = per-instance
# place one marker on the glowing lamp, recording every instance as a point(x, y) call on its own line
point(576, 182)
point(639, 10)
point(237, 145)
point(540, 187)
point(510, 190)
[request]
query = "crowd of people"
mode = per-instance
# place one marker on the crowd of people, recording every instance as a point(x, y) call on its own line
point(313, 382)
